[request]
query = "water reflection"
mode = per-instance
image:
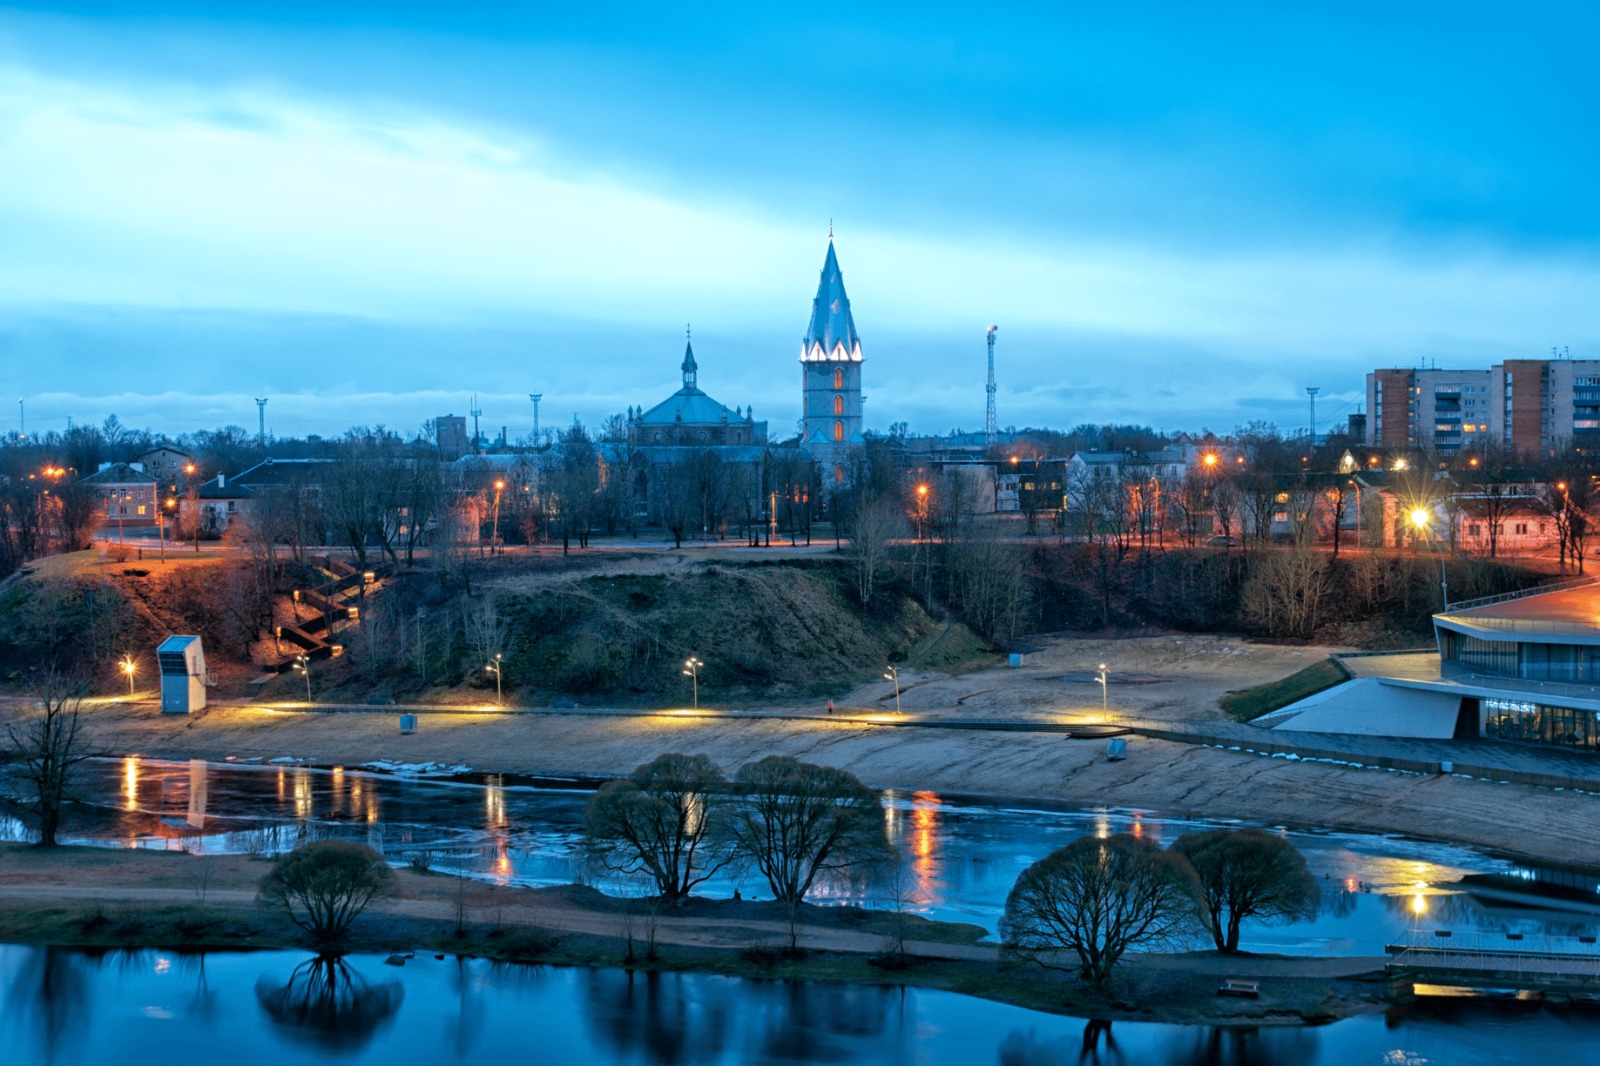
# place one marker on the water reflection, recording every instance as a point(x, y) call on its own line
point(49, 996)
point(327, 1005)
point(65, 1007)
point(960, 858)
point(656, 1017)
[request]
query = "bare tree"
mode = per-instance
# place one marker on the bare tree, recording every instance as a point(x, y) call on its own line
point(1098, 898)
point(48, 742)
point(664, 820)
point(798, 821)
point(1286, 590)
point(484, 629)
point(1248, 873)
point(875, 523)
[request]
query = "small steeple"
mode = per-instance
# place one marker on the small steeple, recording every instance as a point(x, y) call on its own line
point(690, 370)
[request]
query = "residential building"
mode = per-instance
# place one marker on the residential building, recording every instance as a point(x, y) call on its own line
point(1531, 406)
point(1433, 410)
point(127, 495)
point(450, 433)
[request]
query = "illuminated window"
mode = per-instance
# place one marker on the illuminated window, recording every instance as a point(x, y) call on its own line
point(838, 431)
point(838, 405)
point(838, 475)
point(838, 379)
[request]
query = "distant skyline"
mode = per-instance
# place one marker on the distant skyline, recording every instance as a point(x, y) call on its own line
point(1178, 215)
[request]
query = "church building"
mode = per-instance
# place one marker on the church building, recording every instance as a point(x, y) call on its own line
point(830, 367)
point(689, 418)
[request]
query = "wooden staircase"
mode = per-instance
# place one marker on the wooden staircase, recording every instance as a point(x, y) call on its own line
point(311, 634)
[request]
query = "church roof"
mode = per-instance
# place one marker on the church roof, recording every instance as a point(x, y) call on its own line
point(831, 333)
point(691, 405)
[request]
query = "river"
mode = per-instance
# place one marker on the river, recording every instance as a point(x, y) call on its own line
point(960, 855)
point(65, 1008)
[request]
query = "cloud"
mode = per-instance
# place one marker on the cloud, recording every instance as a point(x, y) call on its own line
point(526, 267)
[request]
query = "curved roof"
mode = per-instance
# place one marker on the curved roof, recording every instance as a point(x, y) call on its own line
point(689, 404)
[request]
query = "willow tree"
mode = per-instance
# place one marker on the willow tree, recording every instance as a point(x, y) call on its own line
point(1097, 899)
point(1248, 874)
point(664, 821)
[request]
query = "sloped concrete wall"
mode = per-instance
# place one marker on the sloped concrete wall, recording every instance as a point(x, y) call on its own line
point(1368, 707)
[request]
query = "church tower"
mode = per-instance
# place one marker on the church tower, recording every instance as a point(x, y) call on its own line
point(830, 367)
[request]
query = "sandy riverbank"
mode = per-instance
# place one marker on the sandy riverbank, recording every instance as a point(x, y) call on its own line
point(1177, 678)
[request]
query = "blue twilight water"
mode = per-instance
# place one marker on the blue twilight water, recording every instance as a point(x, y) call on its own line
point(69, 1008)
point(960, 858)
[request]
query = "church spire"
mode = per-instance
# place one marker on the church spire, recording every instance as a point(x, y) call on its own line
point(690, 371)
point(831, 334)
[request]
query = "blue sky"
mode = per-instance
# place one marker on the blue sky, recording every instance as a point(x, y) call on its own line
point(1178, 214)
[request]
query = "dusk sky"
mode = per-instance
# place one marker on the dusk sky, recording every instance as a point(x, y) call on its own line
point(1178, 214)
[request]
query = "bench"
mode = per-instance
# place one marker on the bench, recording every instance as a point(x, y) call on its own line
point(1238, 986)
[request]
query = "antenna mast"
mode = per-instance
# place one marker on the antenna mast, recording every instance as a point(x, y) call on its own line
point(990, 429)
point(261, 423)
point(475, 412)
point(1311, 391)
point(535, 397)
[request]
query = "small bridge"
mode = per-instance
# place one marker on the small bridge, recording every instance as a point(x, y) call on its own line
point(1528, 961)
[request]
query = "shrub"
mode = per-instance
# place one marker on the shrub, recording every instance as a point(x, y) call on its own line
point(323, 887)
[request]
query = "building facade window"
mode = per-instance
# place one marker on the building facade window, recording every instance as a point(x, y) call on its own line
point(838, 405)
point(838, 431)
point(838, 379)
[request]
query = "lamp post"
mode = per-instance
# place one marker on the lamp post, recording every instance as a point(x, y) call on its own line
point(892, 674)
point(1101, 677)
point(494, 668)
point(129, 668)
point(691, 670)
point(302, 663)
point(494, 547)
point(1420, 518)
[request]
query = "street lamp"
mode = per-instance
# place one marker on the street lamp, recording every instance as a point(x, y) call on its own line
point(892, 674)
point(691, 670)
point(1420, 518)
point(129, 668)
point(498, 485)
point(302, 663)
point(494, 668)
point(1101, 677)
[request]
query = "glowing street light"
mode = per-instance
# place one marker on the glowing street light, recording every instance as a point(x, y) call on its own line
point(1209, 460)
point(129, 668)
point(495, 669)
point(302, 663)
point(1101, 677)
point(691, 670)
point(1420, 517)
point(892, 674)
point(498, 486)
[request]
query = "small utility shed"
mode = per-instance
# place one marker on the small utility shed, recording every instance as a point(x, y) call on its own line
point(183, 675)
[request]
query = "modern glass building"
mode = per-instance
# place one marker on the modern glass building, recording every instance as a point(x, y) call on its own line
point(1528, 666)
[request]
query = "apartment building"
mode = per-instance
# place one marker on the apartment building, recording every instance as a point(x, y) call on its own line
point(1531, 406)
point(1441, 410)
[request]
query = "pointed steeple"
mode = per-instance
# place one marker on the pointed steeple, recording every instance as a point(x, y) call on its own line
point(690, 371)
point(831, 334)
